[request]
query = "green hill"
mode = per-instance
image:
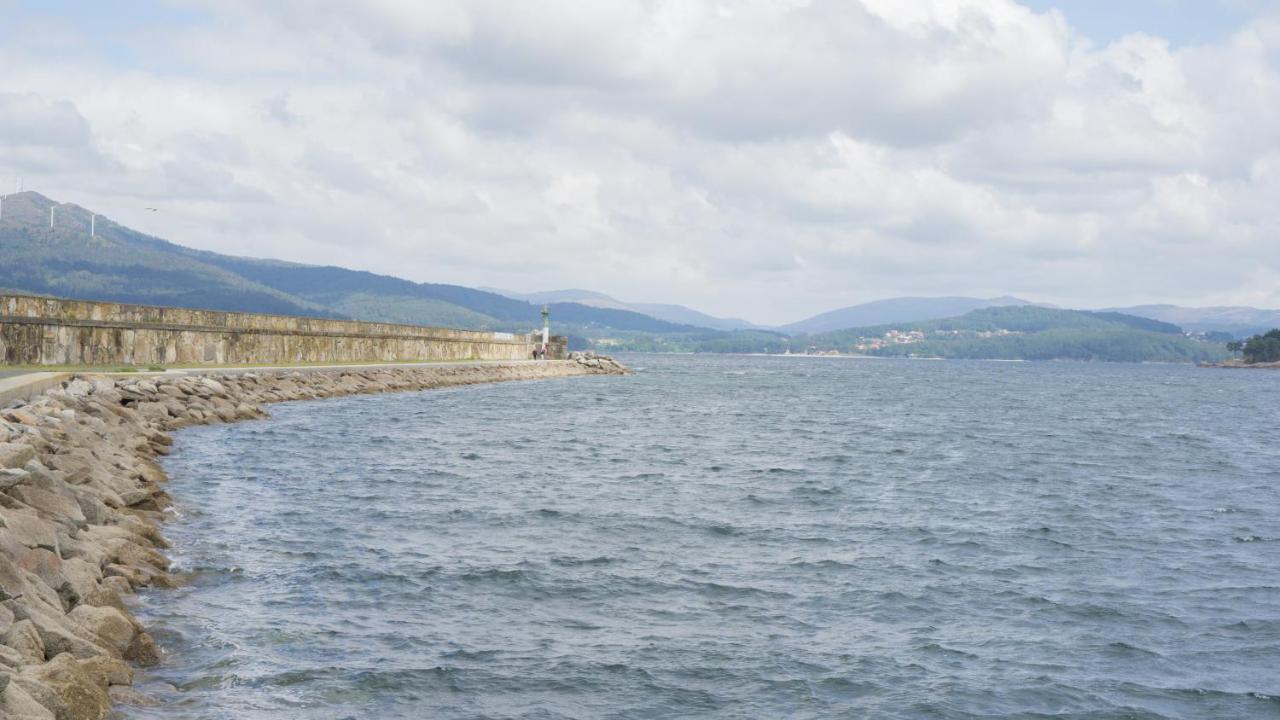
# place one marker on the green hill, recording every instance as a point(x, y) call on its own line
point(1025, 333)
point(122, 265)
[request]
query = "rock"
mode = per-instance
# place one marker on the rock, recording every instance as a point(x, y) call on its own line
point(123, 695)
point(83, 576)
point(6, 620)
point(13, 581)
point(52, 506)
point(66, 689)
point(135, 577)
point(46, 566)
point(78, 388)
point(104, 596)
point(143, 651)
point(154, 411)
point(108, 670)
point(17, 704)
point(118, 585)
point(15, 455)
point(11, 658)
point(93, 508)
point(134, 555)
point(151, 471)
point(21, 417)
point(44, 477)
point(109, 624)
point(25, 639)
point(28, 529)
point(57, 636)
point(10, 477)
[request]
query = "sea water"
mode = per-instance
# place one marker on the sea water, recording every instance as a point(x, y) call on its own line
point(736, 537)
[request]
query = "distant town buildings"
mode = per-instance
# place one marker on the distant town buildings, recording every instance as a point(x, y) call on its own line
point(907, 337)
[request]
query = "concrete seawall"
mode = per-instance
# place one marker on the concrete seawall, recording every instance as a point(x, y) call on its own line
point(51, 331)
point(81, 507)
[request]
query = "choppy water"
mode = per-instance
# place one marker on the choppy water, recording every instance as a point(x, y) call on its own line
point(729, 537)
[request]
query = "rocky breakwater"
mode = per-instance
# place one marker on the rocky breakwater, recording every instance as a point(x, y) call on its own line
point(82, 501)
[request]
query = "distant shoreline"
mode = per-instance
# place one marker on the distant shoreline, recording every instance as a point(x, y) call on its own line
point(1242, 365)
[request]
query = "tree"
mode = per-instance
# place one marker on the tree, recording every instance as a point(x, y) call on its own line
point(1263, 348)
point(1235, 347)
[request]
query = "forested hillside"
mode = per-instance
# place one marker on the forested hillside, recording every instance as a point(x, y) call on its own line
point(122, 265)
point(1027, 333)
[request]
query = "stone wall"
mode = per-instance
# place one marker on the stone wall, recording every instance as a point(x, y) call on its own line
point(49, 331)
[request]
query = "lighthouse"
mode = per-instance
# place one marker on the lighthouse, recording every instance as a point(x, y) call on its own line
point(546, 329)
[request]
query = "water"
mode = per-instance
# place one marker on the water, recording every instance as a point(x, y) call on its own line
point(734, 537)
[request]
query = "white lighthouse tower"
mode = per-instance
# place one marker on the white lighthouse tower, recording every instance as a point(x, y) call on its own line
point(546, 329)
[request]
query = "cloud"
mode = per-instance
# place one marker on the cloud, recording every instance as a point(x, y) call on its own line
point(42, 135)
point(768, 158)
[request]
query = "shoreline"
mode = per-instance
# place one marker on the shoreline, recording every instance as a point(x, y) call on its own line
point(1242, 365)
point(82, 504)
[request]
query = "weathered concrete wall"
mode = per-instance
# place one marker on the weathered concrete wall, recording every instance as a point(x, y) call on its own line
point(48, 331)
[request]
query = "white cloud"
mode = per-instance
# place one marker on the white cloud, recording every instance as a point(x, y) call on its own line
point(749, 157)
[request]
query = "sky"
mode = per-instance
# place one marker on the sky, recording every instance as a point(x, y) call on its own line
point(766, 159)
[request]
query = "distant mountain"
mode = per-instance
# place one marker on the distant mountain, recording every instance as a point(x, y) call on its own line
point(589, 298)
point(1026, 333)
point(678, 314)
point(123, 265)
point(1239, 321)
point(895, 310)
point(689, 316)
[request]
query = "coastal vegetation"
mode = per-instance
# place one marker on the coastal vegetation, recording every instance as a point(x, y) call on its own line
point(1023, 332)
point(1027, 332)
point(1261, 348)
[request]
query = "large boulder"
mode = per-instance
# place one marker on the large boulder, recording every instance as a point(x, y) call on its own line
point(24, 639)
point(28, 529)
point(79, 388)
point(154, 411)
point(64, 687)
point(53, 506)
point(107, 623)
point(143, 651)
point(15, 455)
point(17, 704)
point(108, 671)
point(83, 577)
point(58, 635)
point(12, 477)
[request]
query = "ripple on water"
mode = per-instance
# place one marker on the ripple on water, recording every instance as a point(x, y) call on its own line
point(729, 537)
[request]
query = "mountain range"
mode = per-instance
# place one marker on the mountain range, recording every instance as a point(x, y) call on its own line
point(671, 313)
point(124, 265)
point(895, 310)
